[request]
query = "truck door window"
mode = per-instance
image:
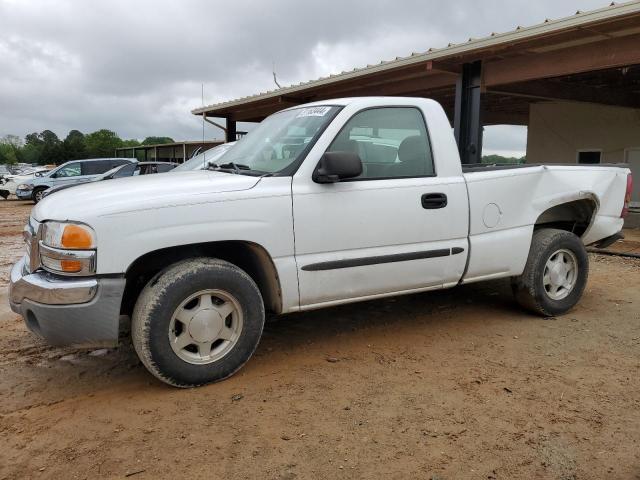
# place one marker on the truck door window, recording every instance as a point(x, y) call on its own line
point(392, 142)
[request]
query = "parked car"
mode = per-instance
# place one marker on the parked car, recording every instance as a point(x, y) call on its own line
point(75, 171)
point(122, 171)
point(9, 183)
point(322, 204)
point(202, 160)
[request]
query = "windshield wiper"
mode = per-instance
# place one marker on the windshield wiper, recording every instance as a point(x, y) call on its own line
point(232, 167)
point(235, 166)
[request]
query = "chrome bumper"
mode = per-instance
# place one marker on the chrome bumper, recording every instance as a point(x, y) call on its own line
point(79, 311)
point(46, 288)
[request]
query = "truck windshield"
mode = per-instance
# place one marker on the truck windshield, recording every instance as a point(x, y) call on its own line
point(200, 161)
point(278, 141)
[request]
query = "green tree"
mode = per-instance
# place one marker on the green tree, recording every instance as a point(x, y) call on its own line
point(499, 159)
point(73, 146)
point(131, 143)
point(102, 143)
point(13, 140)
point(32, 150)
point(10, 146)
point(8, 154)
point(52, 151)
point(157, 140)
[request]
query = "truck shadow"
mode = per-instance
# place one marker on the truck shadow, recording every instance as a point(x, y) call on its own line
point(431, 313)
point(473, 303)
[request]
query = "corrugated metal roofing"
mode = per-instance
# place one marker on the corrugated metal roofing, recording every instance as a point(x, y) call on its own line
point(494, 39)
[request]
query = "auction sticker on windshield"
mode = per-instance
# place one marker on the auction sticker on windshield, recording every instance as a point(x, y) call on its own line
point(313, 112)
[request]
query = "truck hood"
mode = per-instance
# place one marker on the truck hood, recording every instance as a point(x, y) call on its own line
point(121, 195)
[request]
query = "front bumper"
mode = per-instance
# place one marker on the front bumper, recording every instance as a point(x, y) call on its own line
point(67, 311)
point(24, 194)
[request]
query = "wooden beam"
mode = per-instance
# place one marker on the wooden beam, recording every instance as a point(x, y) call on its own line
point(391, 87)
point(425, 83)
point(504, 118)
point(294, 100)
point(443, 68)
point(613, 53)
point(572, 91)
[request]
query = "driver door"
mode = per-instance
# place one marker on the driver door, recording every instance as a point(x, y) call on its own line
point(398, 227)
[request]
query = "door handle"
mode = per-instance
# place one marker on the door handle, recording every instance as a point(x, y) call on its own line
point(431, 201)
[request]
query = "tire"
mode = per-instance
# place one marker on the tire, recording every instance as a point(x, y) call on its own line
point(37, 194)
point(165, 319)
point(550, 285)
point(4, 194)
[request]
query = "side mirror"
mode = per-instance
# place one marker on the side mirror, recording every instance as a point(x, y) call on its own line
point(336, 166)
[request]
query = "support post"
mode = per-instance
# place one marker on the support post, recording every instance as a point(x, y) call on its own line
point(184, 152)
point(231, 130)
point(467, 117)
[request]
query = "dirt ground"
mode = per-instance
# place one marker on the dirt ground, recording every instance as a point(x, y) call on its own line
point(448, 385)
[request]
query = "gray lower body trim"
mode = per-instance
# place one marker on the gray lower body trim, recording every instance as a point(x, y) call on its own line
point(396, 257)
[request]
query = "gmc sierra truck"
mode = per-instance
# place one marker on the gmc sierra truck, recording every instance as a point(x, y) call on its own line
point(322, 204)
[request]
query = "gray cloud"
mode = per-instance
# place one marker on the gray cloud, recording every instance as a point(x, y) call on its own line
point(137, 67)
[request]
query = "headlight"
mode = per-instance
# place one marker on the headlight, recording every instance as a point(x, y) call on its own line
point(24, 186)
point(73, 236)
point(68, 248)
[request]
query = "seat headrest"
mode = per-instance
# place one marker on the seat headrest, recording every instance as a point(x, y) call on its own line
point(412, 154)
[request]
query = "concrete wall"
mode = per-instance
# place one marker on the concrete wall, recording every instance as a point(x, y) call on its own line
point(558, 130)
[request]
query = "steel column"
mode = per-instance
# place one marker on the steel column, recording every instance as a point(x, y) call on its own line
point(467, 120)
point(231, 130)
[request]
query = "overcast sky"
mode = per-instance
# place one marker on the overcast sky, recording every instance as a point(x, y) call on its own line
point(136, 67)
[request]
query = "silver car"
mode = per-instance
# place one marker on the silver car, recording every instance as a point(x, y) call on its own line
point(75, 171)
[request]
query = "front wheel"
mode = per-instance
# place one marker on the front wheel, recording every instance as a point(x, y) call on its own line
point(555, 274)
point(197, 322)
point(38, 194)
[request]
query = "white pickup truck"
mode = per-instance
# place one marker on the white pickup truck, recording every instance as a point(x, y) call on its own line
point(322, 204)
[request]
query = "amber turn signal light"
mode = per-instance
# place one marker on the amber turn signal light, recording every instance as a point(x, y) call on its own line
point(75, 236)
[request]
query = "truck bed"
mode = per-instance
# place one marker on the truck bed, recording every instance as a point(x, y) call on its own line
point(506, 201)
point(489, 167)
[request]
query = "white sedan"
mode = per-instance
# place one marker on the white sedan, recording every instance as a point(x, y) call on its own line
point(9, 183)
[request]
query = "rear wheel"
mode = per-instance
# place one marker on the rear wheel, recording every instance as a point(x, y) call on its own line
point(555, 274)
point(197, 322)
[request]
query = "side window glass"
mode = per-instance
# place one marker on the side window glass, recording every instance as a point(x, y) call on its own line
point(71, 170)
point(95, 167)
point(392, 142)
point(125, 171)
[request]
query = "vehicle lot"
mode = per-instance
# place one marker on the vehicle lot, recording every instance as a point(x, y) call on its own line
point(453, 384)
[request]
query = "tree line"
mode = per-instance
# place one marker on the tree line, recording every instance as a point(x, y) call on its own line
point(45, 148)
